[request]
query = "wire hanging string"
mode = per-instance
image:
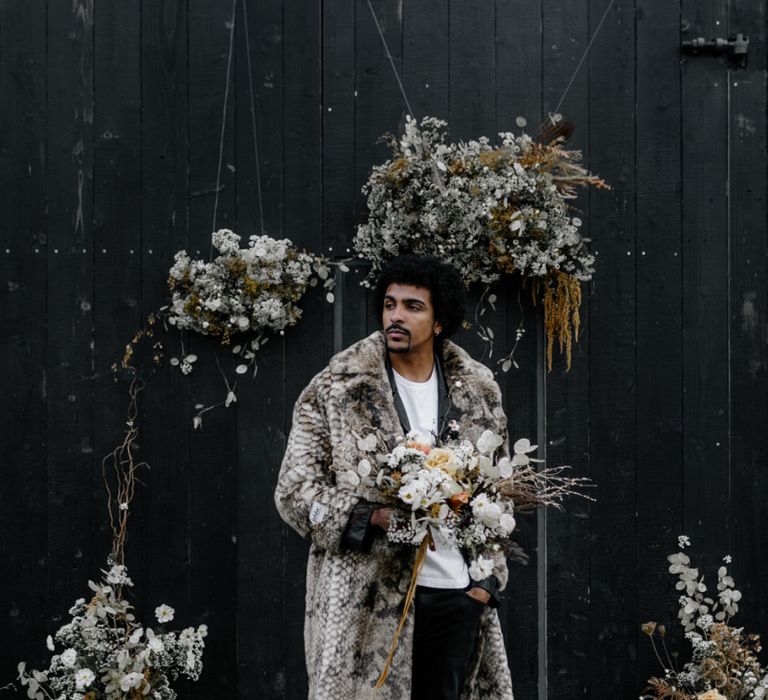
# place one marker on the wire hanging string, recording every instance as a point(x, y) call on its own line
point(586, 52)
point(253, 116)
point(224, 118)
point(391, 61)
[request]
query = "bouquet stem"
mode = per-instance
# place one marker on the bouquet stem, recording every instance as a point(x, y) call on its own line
point(420, 557)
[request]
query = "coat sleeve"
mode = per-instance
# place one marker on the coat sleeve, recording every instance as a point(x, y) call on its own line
point(306, 495)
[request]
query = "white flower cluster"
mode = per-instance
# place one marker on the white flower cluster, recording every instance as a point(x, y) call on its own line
point(696, 608)
point(243, 289)
point(106, 654)
point(723, 658)
point(486, 209)
point(449, 491)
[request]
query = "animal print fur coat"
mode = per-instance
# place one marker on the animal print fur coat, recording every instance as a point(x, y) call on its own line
point(354, 600)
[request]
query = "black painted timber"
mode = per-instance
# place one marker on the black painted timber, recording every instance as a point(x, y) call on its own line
point(109, 141)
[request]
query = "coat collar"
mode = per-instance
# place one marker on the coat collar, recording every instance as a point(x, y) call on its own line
point(364, 365)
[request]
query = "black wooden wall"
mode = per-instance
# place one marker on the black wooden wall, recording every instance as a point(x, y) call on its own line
point(110, 124)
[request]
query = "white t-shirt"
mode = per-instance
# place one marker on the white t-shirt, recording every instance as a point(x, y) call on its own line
point(445, 567)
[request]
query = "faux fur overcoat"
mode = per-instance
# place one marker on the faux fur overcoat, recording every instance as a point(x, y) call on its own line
point(354, 600)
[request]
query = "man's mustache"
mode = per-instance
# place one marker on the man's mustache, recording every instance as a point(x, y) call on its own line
point(394, 327)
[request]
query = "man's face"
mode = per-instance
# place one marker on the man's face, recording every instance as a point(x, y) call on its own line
point(408, 318)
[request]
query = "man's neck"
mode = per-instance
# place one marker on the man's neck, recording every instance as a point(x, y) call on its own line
point(416, 367)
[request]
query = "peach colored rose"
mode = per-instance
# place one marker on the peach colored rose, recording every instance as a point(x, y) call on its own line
point(442, 458)
point(711, 695)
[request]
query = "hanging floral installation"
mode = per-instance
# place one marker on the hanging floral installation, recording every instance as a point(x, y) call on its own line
point(241, 298)
point(724, 663)
point(490, 210)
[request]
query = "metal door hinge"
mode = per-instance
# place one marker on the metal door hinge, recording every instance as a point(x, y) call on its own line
point(736, 47)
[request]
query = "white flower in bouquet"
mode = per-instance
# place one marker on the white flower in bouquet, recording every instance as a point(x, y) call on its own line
point(491, 515)
point(118, 576)
point(481, 568)
point(507, 523)
point(479, 503)
point(164, 613)
point(68, 657)
point(131, 680)
point(414, 494)
point(155, 644)
point(521, 449)
point(488, 442)
point(83, 678)
point(505, 467)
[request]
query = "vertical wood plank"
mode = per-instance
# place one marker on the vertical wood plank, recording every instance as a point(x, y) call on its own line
point(303, 224)
point(117, 243)
point(339, 96)
point(426, 50)
point(74, 475)
point(748, 341)
point(214, 449)
point(518, 94)
point(472, 113)
point(379, 106)
point(23, 497)
point(165, 506)
point(614, 631)
point(472, 90)
point(657, 253)
point(262, 654)
point(706, 409)
point(379, 109)
point(567, 584)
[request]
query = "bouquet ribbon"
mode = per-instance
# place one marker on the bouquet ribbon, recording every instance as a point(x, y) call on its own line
point(421, 555)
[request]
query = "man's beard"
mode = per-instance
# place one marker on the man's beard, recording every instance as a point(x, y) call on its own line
point(399, 350)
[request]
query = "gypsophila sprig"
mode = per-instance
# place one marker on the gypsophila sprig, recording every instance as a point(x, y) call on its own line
point(489, 210)
point(102, 653)
point(724, 663)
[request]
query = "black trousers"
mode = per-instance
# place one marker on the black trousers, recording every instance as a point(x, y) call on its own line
point(447, 624)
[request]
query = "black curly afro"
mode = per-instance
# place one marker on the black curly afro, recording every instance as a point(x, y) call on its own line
point(441, 279)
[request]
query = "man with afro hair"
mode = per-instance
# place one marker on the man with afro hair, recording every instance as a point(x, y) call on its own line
point(406, 377)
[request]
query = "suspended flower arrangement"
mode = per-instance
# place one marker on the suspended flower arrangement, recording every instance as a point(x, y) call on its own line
point(252, 290)
point(490, 210)
point(241, 297)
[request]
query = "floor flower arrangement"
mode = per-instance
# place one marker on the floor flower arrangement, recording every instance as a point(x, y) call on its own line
point(104, 653)
point(724, 663)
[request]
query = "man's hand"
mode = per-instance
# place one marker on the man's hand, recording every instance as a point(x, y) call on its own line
point(479, 594)
point(380, 518)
